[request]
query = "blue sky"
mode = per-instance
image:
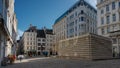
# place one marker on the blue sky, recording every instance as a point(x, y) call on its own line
point(41, 13)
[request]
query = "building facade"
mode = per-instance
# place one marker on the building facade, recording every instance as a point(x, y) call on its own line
point(36, 41)
point(80, 19)
point(8, 28)
point(60, 31)
point(28, 41)
point(109, 22)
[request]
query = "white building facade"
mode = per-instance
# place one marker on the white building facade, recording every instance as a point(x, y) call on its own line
point(109, 22)
point(36, 41)
point(8, 28)
point(28, 41)
point(81, 19)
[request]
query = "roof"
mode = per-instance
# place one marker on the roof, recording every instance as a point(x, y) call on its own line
point(31, 28)
point(70, 9)
point(49, 31)
point(41, 34)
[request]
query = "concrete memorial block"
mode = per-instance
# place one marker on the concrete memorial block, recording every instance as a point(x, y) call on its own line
point(86, 47)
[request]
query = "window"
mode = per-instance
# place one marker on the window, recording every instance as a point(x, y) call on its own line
point(114, 17)
point(0, 6)
point(102, 31)
point(79, 19)
point(76, 22)
point(82, 12)
point(79, 26)
point(82, 18)
point(43, 44)
point(38, 39)
point(114, 40)
point(71, 24)
point(101, 0)
point(27, 43)
point(108, 19)
point(27, 48)
point(43, 40)
point(102, 20)
point(76, 28)
point(102, 11)
point(75, 13)
point(31, 43)
point(107, 7)
point(108, 29)
point(71, 30)
point(119, 4)
point(39, 44)
point(72, 16)
point(39, 48)
point(113, 5)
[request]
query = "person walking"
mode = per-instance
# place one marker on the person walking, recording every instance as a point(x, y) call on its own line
point(20, 59)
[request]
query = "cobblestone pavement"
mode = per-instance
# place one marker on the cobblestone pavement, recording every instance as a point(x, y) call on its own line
point(64, 63)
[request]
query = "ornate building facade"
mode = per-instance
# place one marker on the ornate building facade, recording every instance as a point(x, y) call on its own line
point(109, 22)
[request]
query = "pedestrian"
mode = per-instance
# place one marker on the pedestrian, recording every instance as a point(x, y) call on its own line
point(20, 59)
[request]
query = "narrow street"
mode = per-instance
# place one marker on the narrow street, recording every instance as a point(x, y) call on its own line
point(63, 63)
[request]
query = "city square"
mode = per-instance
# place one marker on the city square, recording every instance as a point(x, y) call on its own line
point(60, 34)
point(64, 63)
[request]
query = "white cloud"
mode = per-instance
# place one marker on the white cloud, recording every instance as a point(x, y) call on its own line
point(92, 2)
point(20, 33)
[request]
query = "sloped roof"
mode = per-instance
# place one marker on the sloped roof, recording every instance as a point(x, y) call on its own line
point(71, 8)
point(32, 28)
point(41, 34)
point(49, 31)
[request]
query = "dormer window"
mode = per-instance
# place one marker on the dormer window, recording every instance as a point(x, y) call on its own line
point(101, 1)
point(82, 12)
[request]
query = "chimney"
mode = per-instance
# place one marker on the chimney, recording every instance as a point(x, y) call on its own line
point(30, 25)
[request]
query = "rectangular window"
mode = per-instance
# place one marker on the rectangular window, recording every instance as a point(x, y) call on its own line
point(114, 40)
point(108, 29)
point(107, 7)
point(72, 16)
point(76, 28)
point(1, 7)
point(119, 4)
point(102, 31)
point(108, 19)
point(39, 44)
point(82, 18)
point(75, 13)
point(101, 1)
point(114, 17)
point(39, 48)
point(27, 43)
point(38, 39)
point(113, 5)
point(71, 30)
point(76, 22)
point(102, 20)
point(102, 11)
point(43, 40)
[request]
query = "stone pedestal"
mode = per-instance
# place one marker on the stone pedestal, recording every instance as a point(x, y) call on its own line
point(86, 47)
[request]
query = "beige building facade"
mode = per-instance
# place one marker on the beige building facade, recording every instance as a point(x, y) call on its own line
point(60, 31)
point(109, 22)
